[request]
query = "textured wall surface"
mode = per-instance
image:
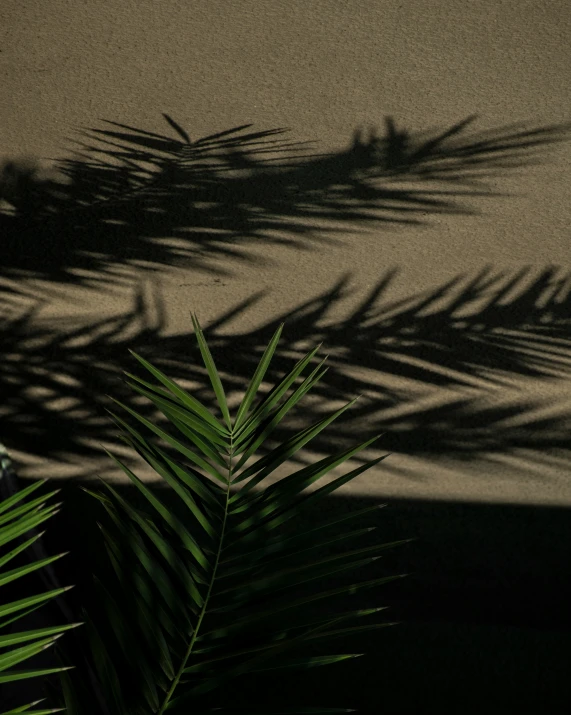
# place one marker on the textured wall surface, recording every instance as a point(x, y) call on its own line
point(323, 69)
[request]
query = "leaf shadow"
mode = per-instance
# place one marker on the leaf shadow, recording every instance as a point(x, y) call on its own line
point(429, 369)
point(133, 198)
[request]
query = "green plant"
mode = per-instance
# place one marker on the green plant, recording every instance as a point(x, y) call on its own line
point(215, 589)
point(17, 519)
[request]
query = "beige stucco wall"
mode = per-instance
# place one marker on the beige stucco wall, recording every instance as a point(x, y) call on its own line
point(323, 69)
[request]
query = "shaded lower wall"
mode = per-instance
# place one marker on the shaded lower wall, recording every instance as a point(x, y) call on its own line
point(485, 611)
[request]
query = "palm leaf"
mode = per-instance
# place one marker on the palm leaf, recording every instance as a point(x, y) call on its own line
point(187, 613)
point(17, 518)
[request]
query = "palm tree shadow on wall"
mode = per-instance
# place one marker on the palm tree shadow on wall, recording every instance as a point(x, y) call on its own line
point(54, 375)
point(460, 341)
point(132, 186)
point(136, 198)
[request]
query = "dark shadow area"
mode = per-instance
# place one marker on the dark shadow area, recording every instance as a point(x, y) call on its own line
point(455, 342)
point(141, 199)
point(484, 615)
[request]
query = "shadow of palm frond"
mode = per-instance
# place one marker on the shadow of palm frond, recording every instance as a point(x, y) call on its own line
point(134, 198)
point(428, 368)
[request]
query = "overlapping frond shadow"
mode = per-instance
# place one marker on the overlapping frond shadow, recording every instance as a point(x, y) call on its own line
point(464, 338)
point(130, 197)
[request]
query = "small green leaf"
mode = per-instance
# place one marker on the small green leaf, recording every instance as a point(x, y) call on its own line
point(31, 601)
point(256, 380)
point(257, 417)
point(189, 542)
point(21, 494)
point(280, 544)
point(12, 554)
point(26, 524)
point(14, 574)
point(35, 505)
point(263, 430)
point(290, 511)
point(169, 439)
point(190, 402)
point(261, 615)
point(18, 655)
point(212, 372)
point(13, 638)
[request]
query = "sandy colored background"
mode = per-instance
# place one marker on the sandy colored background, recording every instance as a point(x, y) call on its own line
point(323, 69)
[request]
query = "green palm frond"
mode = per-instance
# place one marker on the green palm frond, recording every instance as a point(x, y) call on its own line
point(215, 588)
point(18, 518)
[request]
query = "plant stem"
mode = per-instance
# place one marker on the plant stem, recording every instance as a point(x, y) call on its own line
point(205, 604)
